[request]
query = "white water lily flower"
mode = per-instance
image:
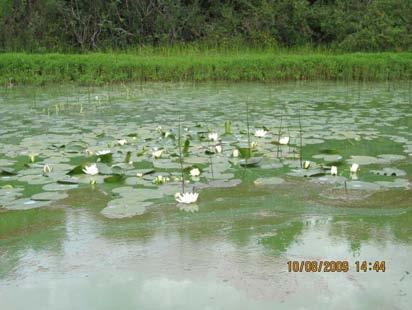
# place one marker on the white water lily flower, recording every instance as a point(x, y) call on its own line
point(333, 170)
point(306, 164)
point(188, 197)
point(139, 174)
point(91, 170)
point(47, 169)
point(89, 152)
point(213, 136)
point(195, 172)
point(121, 142)
point(157, 153)
point(284, 140)
point(235, 153)
point(218, 148)
point(354, 168)
point(260, 133)
point(102, 152)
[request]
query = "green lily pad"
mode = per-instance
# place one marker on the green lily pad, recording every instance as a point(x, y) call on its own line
point(69, 181)
point(7, 171)
point(48, 196)
point(389, 172)
point(25, 204)
point(124, 208)
point(251, 162)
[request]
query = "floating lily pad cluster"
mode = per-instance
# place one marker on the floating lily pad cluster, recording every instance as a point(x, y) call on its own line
point(129, 147)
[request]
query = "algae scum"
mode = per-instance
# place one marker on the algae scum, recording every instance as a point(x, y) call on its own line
point(118, 237)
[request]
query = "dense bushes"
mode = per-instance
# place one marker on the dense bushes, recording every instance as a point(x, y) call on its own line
point(67, 25)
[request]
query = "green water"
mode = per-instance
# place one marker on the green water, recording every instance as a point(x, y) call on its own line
point(230, 249)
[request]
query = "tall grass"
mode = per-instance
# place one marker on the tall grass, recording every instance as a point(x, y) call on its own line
point(193, 65)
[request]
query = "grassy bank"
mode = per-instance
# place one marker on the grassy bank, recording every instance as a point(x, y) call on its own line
point(99, 68)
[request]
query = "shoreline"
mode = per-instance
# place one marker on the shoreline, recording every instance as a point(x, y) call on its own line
point(112, 68)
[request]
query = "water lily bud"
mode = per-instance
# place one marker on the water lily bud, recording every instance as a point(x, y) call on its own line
point(333, 170)
point(32, 158)
point(47, 169)
point(235, 153)
point(354, 168)
point(306, 164)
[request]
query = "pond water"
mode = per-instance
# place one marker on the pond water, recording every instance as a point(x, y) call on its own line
point(118, 238)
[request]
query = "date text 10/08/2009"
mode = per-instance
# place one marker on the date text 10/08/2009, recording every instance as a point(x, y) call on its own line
point(335, 266)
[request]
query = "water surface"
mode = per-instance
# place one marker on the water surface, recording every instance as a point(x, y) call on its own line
point(230, 250)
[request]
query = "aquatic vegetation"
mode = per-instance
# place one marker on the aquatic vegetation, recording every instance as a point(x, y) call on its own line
point(164, 159)
point(91, 169)
point(354, 168)
point(260, 133)
point(47, 169)
point(187, 197)
point(160, 180)
point(195, 172)
point(103, 152)
point(284, 140)
point(101, 68)
point(157, 153)
point(121, 142)
point(213, 136)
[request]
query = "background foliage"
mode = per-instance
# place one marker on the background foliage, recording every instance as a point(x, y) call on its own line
point(70, 25)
